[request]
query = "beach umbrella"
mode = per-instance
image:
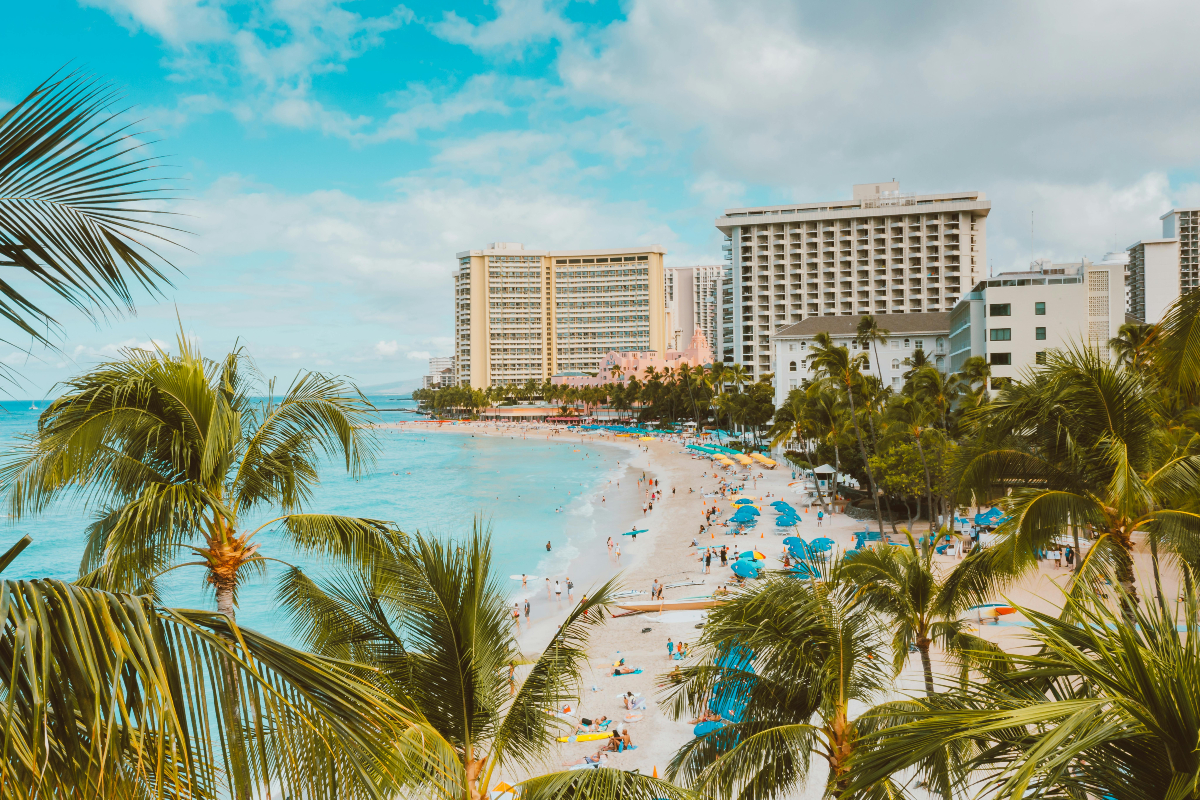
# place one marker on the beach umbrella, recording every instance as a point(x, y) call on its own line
point(741, 501)
point(786, 522)
point(748, 510)
point(706, 727)
point(822, 540)
point(791, 540)
point(745, 569)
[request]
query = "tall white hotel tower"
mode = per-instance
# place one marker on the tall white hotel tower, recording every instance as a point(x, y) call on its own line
point(882, 252)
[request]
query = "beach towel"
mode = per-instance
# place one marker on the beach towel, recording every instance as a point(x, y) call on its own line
point(583, 766)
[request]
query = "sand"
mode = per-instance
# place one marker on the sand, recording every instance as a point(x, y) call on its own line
point(666, 554)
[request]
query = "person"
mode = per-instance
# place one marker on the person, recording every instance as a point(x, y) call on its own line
point(547, 588)
point(633, 703)
point(624, 670)
point(599, 759)
point(675, 676)
point(512, 678)
point(708, 716)
point(517, 615)
point(524, 578)
point(654, 589)
point(592, 725)
point(1070, 556)
point(786, 561)
point(708, 563)
point(670, 648)
point(547, 547)
point(724, 555)
point(735, 553)
point(613, 743)
point(570, 590)
point(1056, 554)
point(527, 609)
point(618, 554)
point(820, 516)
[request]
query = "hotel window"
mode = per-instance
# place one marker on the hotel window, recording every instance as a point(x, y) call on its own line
point(792, 367)
point(1000, 359)
point(1039, 334)
point(1000, 310)
point(895, 344)
point(895, 381)
point(1001, 334)
point(906, 344)
point(895, 363)
point(919, 344)
point(1040, 357)
point(1039, 309)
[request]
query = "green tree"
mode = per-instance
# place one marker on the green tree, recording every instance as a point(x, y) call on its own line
point(172, 451)
point(433, 629)
point(1094, 708)
point(842, 370)
point(799, 653)
point(1133, 345)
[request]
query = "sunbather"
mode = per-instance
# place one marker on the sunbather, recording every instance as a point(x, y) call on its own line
point(624, 670)
point(708, 716)
point(633, 703)
point(586, 724)
point(675, 675)
point(598, 758)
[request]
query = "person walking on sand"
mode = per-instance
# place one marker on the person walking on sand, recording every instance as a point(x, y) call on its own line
point(570, 590)
point(548, 588)
point(558, 592)
point(618, 554)
point(820, 516)
point(526, 610)
point(610, 548)
point(670, 649)
point(708, 562)
point(654, 589)
point(517, 616)
point(512, 678)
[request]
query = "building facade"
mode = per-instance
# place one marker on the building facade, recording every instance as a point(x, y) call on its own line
point(1013, 318)
point(441, 373)
point(888, 361)
point(692, 298)
point(528, 314)
point(623, 366)
point(1161, 270)
point(881, 252)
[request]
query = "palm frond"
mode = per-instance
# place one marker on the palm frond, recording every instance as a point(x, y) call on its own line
point(78, 202)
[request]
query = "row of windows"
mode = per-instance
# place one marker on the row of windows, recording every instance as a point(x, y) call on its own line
point(1005, 309)
point(747, 330)
point(1005, 359)
point(1005, 334)
point(614, 260)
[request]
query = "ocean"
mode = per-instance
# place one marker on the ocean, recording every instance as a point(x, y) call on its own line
point(528, 491)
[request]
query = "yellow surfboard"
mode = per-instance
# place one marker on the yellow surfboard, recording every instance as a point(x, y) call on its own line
point(585, 737)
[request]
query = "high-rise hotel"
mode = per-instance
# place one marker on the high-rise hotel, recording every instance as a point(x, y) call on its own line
point(522, 314)
point(881, 252)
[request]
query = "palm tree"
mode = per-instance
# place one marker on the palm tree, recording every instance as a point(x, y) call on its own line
point(932, 386)
point(78, 203)
point(844, 371)
point(974, 375)
point(797, 653)
point(112, 696)
point(909, 417)
point(1133, 345)
point(870, 335)
point(1079, 444)
point(1094, 708)
point(432, 628)
point(172, 451)
point(918, 605)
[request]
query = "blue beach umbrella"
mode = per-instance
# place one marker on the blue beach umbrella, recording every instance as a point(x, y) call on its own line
point(706, 727)
point(741, 501)
point(745, 569)
point(792, 540)
point(786, 522)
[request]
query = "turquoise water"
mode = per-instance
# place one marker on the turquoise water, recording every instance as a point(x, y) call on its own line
point(437, 483)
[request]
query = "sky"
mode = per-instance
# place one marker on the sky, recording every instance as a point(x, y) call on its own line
point(332, 157)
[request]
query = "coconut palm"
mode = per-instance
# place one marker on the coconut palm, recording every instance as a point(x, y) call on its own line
point(919, 606)
point(798, 653)
point(76, 210)
point(910, 418)
point(111, 696)
point(433, 628)
point(1094, 708)
point(173, 454)
point(1077, 443)
point(974, 377)
point(1133, 345)
point(1177, 348)
point(842, 370)
point(870, 335)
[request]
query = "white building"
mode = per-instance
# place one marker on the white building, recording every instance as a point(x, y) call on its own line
point(907, 333)
point(882, 252)
point(529, 314)
point(1160, 270)
point(1013, 318)
point(691, 297)
point(441, 373)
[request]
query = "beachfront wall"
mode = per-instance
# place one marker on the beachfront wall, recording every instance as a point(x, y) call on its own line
point(620, 366)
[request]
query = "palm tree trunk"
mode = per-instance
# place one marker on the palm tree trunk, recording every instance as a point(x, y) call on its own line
point(837, 465)
point(928, 492)
point(1125, 577)
point(926, 665)
point(866, 462)
point(1157, 578)
point(1078, 552)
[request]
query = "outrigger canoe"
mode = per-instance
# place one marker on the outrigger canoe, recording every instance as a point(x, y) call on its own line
point(682, 604)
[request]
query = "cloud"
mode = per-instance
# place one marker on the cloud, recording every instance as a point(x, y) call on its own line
point(418, 355)
point(518, 24)
point(387, 348)
point(177, 22)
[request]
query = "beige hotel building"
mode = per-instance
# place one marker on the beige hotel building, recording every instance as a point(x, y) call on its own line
point(521, 314)
point(883, 251)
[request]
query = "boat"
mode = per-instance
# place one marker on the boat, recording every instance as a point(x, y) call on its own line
point(682, 604)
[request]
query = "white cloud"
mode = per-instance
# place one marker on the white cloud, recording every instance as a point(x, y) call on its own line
point(517, 25)
point(387, 348)
point(418, 355)
point(177, 22)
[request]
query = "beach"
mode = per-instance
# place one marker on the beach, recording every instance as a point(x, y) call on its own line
point(665, 553)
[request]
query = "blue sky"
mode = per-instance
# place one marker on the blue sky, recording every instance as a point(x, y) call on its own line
point(335, 155)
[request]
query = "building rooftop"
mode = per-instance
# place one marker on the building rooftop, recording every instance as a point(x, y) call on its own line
point(923, 322)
